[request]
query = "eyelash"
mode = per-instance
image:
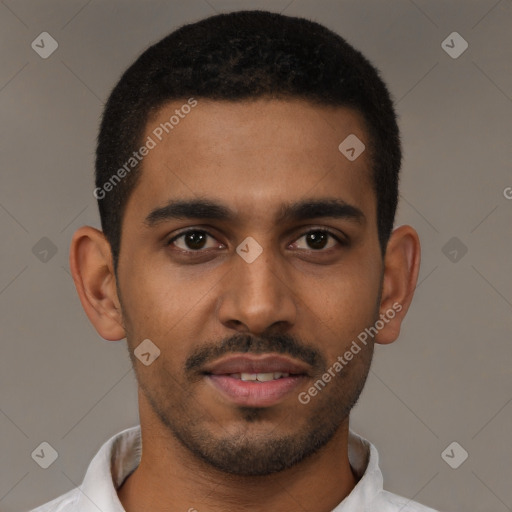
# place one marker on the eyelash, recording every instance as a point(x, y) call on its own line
point(191, 252)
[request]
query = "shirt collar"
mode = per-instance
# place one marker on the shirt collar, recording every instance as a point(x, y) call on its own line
point(116, 459)
point(364, 460)
point(121, 454)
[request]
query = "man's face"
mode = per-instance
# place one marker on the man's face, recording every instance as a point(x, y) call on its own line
point(306, 297)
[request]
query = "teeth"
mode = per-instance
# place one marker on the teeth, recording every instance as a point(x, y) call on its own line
point(265, 377)
point(260, 377)
point(249, 376)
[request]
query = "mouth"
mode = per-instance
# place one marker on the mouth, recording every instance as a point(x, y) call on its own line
point(255, 380)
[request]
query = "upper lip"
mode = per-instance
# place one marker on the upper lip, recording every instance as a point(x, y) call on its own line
point(263, 363)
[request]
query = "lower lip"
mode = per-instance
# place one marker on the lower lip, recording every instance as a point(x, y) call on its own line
point(254, 394)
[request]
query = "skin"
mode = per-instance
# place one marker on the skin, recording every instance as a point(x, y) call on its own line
point(199, 450)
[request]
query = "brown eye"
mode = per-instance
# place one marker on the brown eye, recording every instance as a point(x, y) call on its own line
point(192, 240)
point(318, 239)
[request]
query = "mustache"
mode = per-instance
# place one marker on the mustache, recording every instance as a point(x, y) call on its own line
point(246, 343)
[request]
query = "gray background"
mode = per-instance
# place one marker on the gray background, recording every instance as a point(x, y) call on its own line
point(446, 379)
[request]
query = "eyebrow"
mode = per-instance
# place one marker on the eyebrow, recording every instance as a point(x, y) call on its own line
point(295, 211)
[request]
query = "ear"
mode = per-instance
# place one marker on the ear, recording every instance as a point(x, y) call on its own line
point(401, 268)
point(90, 260)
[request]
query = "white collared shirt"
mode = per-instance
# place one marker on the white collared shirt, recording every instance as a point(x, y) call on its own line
point(121, 454)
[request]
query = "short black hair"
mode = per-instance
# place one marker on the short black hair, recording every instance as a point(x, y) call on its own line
point(238, 56)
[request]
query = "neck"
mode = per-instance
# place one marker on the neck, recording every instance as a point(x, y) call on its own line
point(169, 476)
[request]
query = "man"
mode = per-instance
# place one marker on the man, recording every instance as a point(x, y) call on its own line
point(246, 175)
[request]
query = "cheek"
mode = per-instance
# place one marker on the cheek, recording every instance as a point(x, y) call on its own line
point(342, 305)
point(159, 306)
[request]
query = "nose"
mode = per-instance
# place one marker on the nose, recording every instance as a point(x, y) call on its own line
point(258, 296)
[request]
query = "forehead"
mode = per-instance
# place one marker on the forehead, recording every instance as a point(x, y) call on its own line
point(253, 155)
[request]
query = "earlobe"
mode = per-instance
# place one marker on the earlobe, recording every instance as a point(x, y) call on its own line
point(401, 269)
point(90, 262)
